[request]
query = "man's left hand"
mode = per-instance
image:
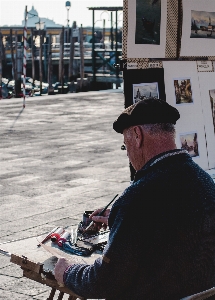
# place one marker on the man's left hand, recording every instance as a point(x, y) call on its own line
point(60, 268)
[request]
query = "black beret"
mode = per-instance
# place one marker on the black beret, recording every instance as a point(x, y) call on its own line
point(149, 111)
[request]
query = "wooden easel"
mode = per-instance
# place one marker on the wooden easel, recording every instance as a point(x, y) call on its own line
point(34, 271)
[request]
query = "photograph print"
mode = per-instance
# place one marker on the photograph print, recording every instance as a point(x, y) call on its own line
point(144, 91)
point(202, 24)
point(148, 19)
point(189, 142)
point(183, 91)
point(212, 100)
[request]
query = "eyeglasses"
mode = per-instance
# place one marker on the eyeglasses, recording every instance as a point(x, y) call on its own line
point(123, 147)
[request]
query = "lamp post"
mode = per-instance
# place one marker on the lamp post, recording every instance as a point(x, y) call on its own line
point(40, 26)
point(68, 5)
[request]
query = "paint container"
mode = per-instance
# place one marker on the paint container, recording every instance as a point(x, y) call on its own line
point(63, 238)
point(86, 220)
point(57, 234)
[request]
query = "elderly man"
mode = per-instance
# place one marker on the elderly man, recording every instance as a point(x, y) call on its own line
point(162, 228)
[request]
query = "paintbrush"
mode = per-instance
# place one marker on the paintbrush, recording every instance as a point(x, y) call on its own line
point(100, 214)
point(48, 236)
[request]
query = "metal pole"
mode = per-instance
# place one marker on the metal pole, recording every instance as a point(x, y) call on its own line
point(25, 55)
point(61, 59)
point(81, 57)
point(40, 63)
point(116, 45)
point(17, 84)
point(103, 33)
point(32, 56)
point(45, 61)
point(67, 39)
point(111, 29)
point(71, 55)
point(19, 56)
point(116, 50)
point(50, 65)
point(12, 54)
point(93, 50)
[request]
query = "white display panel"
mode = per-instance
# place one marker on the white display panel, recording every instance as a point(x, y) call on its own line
point(191, 120)
point(207, 90)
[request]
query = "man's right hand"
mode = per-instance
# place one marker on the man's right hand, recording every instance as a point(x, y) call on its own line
point(100, 221)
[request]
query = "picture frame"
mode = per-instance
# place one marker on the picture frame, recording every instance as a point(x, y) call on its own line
point(183, 91)
point(144, 90)
point(149, 19)
point(149, 80)
point(198, 32)
point(189, 142)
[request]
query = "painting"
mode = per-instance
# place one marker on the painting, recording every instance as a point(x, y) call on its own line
point(145, 90)
point(202, 24)
point(189, 142)
point(183, 91)
point(198, 28)
point(212, 101)
point(146, 28)
point(148, 20)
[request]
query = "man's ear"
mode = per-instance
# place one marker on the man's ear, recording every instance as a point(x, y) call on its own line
point(138, 136)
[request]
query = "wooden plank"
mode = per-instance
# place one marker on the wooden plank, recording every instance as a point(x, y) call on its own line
point(25, 263)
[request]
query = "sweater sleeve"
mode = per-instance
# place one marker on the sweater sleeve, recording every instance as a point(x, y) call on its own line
point(114, 271)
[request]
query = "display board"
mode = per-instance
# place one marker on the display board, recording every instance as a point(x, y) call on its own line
point(169, 53)
point(198, 36)
point(183, 92)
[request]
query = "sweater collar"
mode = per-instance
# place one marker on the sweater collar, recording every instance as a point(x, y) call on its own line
point(158, 158)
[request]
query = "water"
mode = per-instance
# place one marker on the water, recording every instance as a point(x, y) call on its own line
point(202, 34)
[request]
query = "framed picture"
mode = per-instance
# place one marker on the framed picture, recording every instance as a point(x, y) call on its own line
point(141, 84)
point(145, 90)
point(189, 142)
point(202, 24)
point(198, 29)
point(183, 91)
point(147, 21)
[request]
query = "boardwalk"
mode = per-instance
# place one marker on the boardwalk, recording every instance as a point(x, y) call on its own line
point(59, 157)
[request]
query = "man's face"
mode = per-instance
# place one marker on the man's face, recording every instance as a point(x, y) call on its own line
point(130, 144)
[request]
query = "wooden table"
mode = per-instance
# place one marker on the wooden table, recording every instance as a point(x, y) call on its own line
point(38, 264)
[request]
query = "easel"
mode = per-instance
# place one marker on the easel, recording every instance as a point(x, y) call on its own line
point(34, 271)
point(38, 265)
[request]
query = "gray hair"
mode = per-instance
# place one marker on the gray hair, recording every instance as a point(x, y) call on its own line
point(159, 128)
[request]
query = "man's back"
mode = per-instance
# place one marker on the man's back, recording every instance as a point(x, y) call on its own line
point(170, 213)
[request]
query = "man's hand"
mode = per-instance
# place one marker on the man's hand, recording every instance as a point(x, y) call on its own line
point(100, 221)
point(60, 267)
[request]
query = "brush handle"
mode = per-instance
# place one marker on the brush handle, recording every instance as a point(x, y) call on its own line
point(104, 209)
point(101, 213)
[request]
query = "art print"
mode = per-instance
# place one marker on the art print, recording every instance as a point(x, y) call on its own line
point(147, 28)
point(202, 24)
point(148, 20)
point(144, 91)
point(189, 142)
point(212, 101)
point(198, 28)
point(183, 91)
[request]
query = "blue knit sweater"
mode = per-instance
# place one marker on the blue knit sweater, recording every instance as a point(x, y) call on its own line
point(162, 237)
